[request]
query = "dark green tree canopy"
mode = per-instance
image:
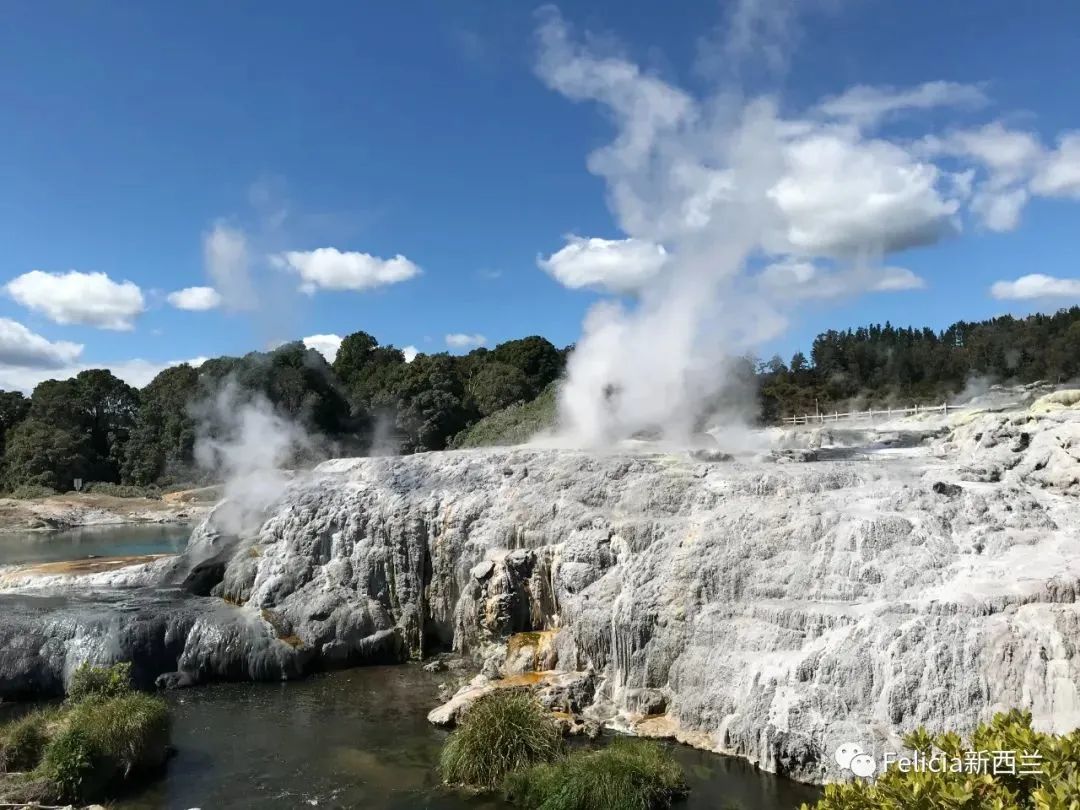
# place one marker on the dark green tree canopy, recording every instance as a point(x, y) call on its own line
point(96, 427)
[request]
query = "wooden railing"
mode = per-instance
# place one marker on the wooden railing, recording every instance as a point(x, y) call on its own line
point(886, 413)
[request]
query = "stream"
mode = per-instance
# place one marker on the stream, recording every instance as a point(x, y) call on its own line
point(360, 738)
point(355, 738)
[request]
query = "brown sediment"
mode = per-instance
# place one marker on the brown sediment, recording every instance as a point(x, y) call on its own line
point(539, 641)
point(524, 679)
point(95, 565)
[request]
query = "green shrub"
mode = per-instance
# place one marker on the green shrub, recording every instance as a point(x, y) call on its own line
point(502, 731)
point(1055, 787)
point(629, 774)
point(103, 682)
point(22, 742)
point(104, 741)
point(514, 424)
point(29, 492)
point(122, 490)
point(68, 764)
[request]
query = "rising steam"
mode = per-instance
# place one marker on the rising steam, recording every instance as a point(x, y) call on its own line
point(242, 440)
point(748, 211)
point(659, 363)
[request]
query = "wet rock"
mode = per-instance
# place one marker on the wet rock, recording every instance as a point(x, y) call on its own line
point(948, 490)
point(174, 680)
point(482, 570)
point(767, 610)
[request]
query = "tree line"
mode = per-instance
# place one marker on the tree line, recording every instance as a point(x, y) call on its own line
point(98, 428)
point(878, 364)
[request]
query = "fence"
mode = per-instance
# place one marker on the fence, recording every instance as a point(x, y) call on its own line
point(888, 413)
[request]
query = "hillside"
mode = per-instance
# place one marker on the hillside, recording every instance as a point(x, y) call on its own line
point(515, 424)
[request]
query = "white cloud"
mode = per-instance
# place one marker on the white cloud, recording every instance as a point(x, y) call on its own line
point(459, 340)
point(1000, 210)
point(1003, 151)
point(1036, 286)
point(332, 269)
point(1059, 176)
point(867, 105)
point(91, 299)
point(410, 353)
point(896, 279)
point(794, 278)
point(136, 372)
point(225, 255)
point(326, 345)
point(680, 168)
point(25, 349)
point(615, 265)
point(195, 298)
point(842, 195)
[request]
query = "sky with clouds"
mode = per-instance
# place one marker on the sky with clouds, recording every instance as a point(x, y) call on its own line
point(189, 180)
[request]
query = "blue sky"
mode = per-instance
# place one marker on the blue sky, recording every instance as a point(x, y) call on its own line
point(135, 133)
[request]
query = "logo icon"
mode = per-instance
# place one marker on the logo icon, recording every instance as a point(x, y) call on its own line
point(851, 757)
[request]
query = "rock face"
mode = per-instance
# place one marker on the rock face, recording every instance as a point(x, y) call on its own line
point(770, 610)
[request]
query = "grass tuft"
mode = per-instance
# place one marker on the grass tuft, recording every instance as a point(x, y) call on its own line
point(503, 731)
point(23, 741)
point(91, 681)
point(629, 774)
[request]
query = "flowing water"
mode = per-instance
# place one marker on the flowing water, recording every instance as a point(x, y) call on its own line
point(92, 541)
point(360, 738)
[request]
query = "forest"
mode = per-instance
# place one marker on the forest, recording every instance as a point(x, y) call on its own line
point(97, 428)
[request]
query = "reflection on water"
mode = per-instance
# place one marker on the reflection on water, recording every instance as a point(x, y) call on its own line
point(98, 541)
point(361, 739)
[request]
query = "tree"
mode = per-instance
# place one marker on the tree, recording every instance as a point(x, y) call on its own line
point(536, 357)
point(163, 438)
point(74, 428)
point(494, 386)
point(106, 409)
point(13, 409)
point(432, 403)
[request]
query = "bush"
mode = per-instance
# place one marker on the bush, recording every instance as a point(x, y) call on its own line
point(503, 731)
point(29, 492)
point(68, 764)
point(105, 741)
point(629, 774)
point(22, 742)
point(122, 490)
point(1056, 787)
point(512, 425)
point(102, 682)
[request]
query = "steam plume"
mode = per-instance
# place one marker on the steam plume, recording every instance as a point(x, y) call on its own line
point(244, 441)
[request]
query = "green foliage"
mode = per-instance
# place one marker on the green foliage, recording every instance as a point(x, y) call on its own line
point(879, 365)
point(1047, 774)
point(433, 405)
point(163, 437)
point(535, 357)
point(103, 741)
point(513, 425)
point(503, 731)
point(68, 763)
point(629, 774)
point(74, 428)
point(122, 490)
point(28, 492)
point(103, 735)
point(22, 742)
point(89, 681)
point(494, 386)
